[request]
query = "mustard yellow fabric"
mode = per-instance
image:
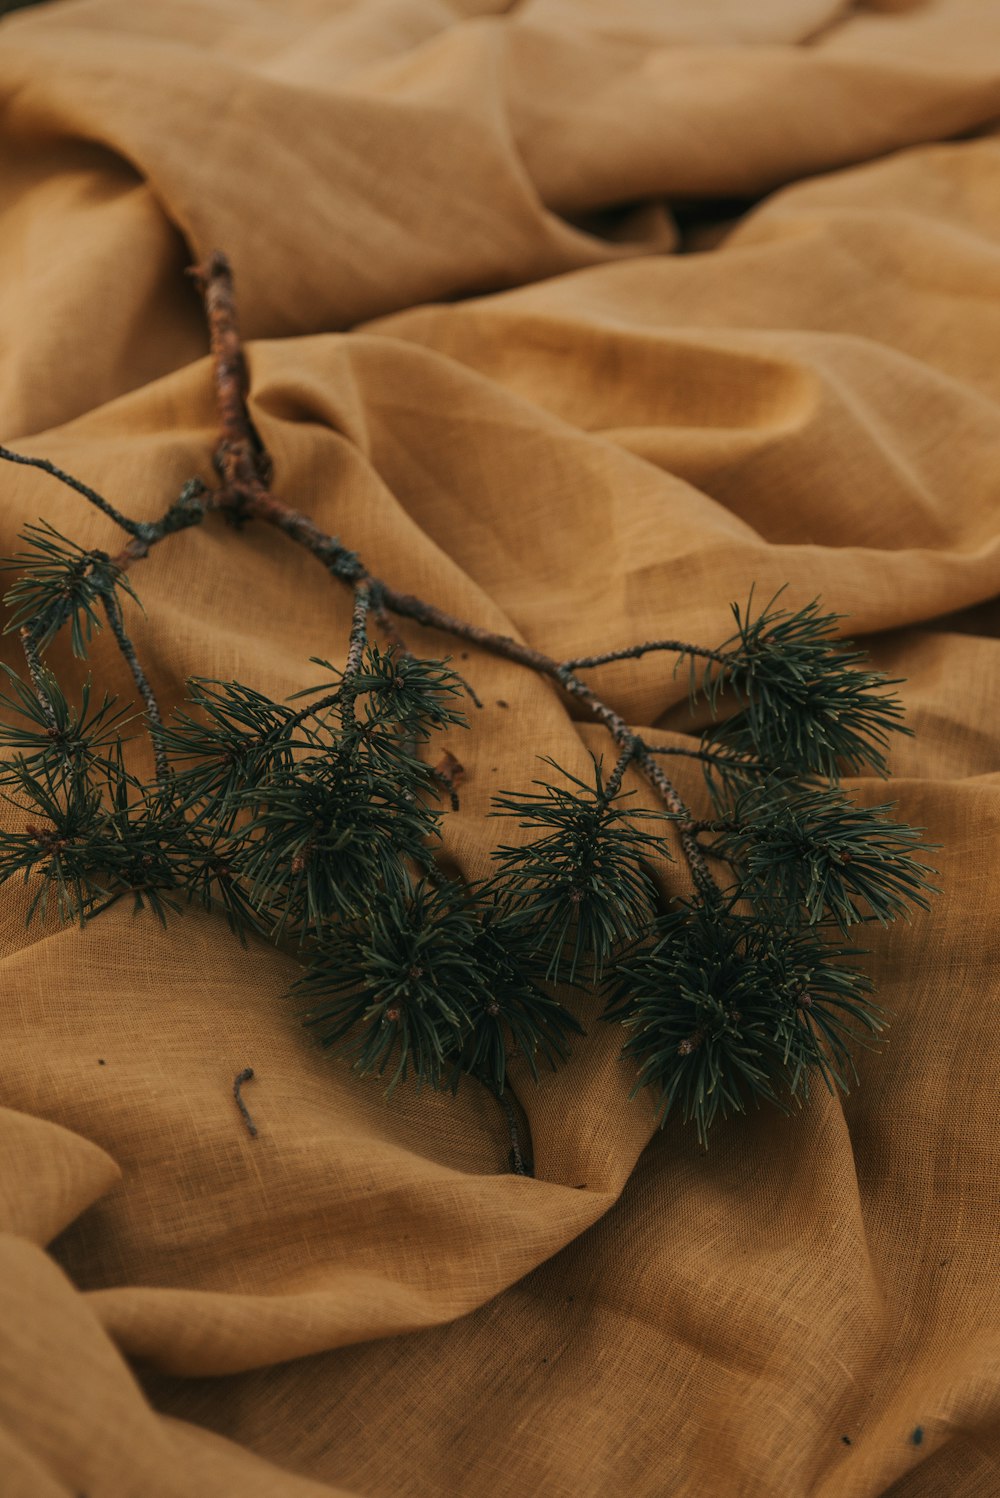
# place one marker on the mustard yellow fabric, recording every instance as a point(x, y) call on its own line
point(577, 318)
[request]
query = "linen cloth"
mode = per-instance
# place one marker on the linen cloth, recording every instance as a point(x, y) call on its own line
point(577, 319)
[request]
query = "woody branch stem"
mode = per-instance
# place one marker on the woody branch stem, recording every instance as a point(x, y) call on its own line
point(35, 670)
point(141, 680)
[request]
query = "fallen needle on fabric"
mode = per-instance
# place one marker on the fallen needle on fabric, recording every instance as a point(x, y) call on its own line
point(246, 1075)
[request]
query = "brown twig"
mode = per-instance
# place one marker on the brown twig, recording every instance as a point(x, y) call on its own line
point(188, 509)
point(355, 653)
point(240, 459)
point(449, 773)
point(313, 710)
point(359, 632)
point(246, 1075)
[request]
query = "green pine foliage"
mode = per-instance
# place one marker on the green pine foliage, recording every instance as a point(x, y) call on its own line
point(723, 1007)
point(316, 825)
point(397, 982)
point(60, 583)
point(809, 853)
point(41, 726)
point(427, 983)
point(516, 1013)
point(807, 703)
point(583, 884)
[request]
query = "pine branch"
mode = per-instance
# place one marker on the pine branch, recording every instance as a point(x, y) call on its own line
point(240, 739)
point(396, 984)
point(729, 765)
point(319, 825)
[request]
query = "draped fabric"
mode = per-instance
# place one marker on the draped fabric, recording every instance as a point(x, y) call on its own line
point(578, 320)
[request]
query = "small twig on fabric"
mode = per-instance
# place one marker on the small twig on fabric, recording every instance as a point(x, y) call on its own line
point(470, 689)
point(449, 773)
point(246, 1075)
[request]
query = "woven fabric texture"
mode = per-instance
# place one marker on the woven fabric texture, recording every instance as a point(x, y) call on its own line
point(578, 319)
